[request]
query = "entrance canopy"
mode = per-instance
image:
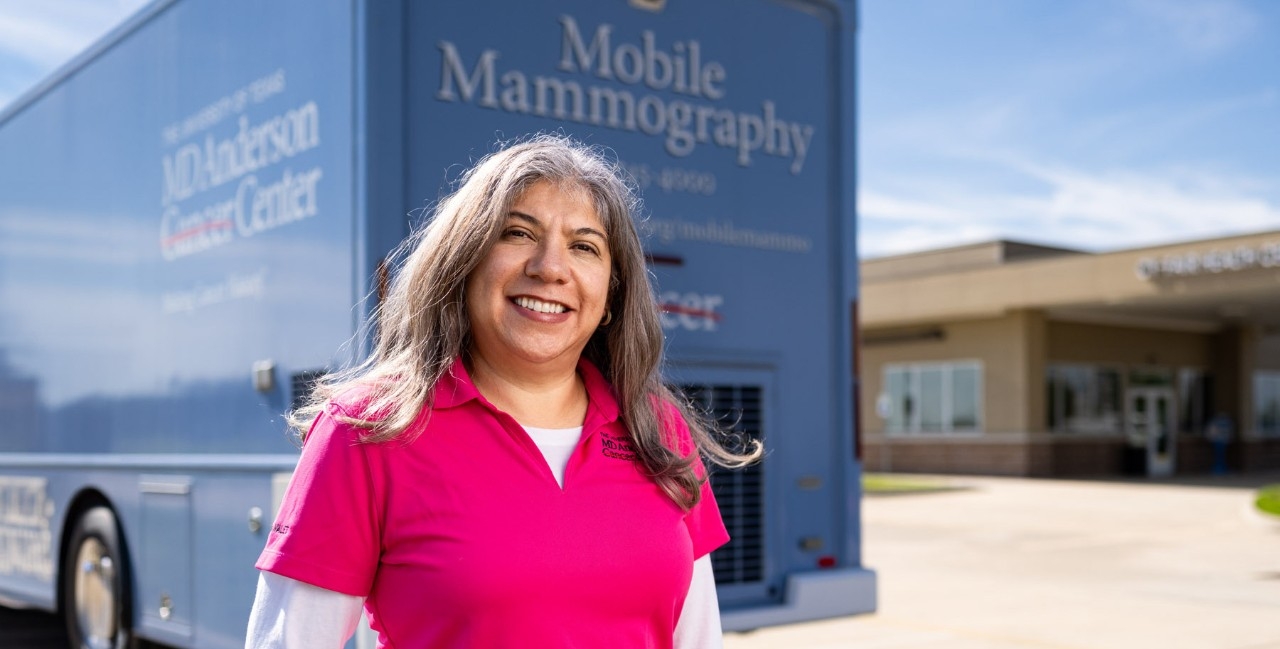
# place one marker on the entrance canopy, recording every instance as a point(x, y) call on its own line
point(1194, 286)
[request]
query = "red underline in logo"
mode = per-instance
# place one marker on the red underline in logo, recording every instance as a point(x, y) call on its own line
point(676, 309)
point(223, 224)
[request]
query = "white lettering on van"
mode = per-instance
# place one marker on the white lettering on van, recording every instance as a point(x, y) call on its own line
point(636, 70)
point(690, 311)
point(26, 539)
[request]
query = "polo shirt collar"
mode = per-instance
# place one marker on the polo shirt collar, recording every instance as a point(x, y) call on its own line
point(455, 388)
point(599, 393)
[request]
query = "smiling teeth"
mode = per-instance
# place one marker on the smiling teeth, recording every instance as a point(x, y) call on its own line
point(540, 306)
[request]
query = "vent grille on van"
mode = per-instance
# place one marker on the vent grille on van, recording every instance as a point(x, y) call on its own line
point(301, 384)
point(739, 492)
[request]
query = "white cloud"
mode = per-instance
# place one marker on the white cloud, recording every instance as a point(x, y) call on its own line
point(50, 32)
point(1092, 210)
point(1152, 206)
point(37, 37)
point(1201, 26)
point(915, 238)
point(896, 209)
point(1151, 127)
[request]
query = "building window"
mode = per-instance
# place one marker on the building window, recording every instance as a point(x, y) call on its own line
point(1150, 376)
point(1266, 403)
point(934, 397)
point(1195, 401)
point(1083, 399)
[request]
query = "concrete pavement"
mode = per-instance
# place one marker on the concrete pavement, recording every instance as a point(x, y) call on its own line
point(1006, 563)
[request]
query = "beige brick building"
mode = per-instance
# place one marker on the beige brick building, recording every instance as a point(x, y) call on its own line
point(1016, 359)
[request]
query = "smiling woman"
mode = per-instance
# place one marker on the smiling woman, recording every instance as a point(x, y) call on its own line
point(537, 298)
point(510, 435)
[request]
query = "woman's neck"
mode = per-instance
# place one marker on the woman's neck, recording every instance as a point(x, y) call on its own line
point(543, 401)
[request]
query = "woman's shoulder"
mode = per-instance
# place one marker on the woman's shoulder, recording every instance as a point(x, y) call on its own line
point(374, 412)
point(368, 401)
point(348, 415)
point(351, 401)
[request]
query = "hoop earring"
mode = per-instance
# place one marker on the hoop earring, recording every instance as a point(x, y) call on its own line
point(608, 317)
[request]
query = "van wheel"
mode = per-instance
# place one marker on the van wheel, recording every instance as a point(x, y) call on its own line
point(95, 585)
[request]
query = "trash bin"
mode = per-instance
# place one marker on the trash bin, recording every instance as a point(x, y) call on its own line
point(1133, 460)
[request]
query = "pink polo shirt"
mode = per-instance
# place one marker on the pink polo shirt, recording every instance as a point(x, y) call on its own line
point(463, 538)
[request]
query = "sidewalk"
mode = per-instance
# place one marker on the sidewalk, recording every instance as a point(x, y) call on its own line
point(1054, 564)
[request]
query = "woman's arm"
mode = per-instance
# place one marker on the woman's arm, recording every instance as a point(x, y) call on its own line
point(290, 614)
point(699, 623)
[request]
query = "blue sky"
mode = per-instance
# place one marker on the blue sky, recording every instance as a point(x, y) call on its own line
point(1093, 124)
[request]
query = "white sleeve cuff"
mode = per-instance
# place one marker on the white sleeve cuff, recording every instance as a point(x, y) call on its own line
point(699, 623)
point(290, 614)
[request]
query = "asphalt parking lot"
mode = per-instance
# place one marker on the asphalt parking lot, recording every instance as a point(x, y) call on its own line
point(1005, 563)
point(21, 629)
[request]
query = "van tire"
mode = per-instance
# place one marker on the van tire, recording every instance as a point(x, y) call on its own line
point(96, 594)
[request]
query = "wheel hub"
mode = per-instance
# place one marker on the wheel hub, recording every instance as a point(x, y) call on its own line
point(95, 594)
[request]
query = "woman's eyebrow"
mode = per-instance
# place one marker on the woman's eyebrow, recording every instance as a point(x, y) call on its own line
point(582, 232)
point(525, 217)
point(533, 221)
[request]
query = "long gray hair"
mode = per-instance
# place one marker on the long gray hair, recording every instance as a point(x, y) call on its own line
point(422, 324)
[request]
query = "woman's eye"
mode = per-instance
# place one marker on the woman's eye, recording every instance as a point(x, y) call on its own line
point(586, 247)
point(516, 233)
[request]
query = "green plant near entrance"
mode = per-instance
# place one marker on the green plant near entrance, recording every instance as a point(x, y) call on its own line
point(1269, 499)
point(881, 483)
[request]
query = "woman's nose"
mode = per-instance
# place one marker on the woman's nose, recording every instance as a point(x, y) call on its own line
point(550, 263)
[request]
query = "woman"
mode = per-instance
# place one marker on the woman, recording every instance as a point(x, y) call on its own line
point(507, 469)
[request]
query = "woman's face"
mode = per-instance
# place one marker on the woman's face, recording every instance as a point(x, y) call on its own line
point(540, 293)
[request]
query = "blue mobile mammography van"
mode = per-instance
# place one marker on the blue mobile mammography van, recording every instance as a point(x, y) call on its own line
point(195, 213)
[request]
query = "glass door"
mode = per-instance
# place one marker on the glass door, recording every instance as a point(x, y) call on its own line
point(1150, 424)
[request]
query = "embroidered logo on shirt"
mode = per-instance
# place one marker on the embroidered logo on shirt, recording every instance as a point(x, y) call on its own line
point(617, 447)
point(279, 528)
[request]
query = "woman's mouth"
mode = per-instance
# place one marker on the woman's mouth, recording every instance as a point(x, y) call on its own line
point(534, 304)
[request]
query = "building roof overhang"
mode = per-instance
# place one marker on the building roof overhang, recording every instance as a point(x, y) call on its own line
point(1198, 285)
